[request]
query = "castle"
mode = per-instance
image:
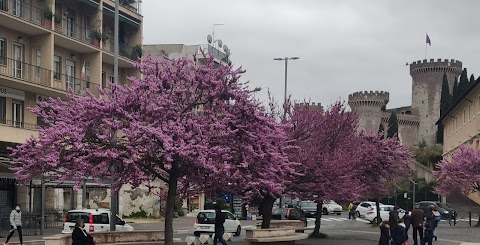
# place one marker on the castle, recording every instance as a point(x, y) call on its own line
point(416, 123)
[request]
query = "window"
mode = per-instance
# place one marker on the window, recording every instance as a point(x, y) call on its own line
point(112, 79)
point(101, 219)
point(230, 216)
point(469, 111)
point(70, 66)
point(3, 109)
point(3, 51)
point(73, 216)
point(17, 113)
point(17, 54)
point(38, 61)
point(88, 33)
point(464, 115)
point(87, 76)
point(56, 67)
point(104, 79)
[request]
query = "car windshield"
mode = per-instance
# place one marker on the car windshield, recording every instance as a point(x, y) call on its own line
point(308, 204)
point(442, 205)
point(330, 202)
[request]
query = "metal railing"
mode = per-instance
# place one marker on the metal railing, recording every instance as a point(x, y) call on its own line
point(18, 124)
point(133, 6)
point(35, 74)
point(69, 28)
point(124, 50)
point(23, 10)
point(24, 71)
point(208, 49)
point(30, 224)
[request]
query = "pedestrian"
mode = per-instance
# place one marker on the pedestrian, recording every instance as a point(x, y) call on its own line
point(437, 217)
point(393, 218)
point(219, 229)
point(80, 236)
point(350, 207)
point(417, 224)
point(399, 237)
point(384, 233)
point(429, 229)
point(15, 224)
point(407, 218)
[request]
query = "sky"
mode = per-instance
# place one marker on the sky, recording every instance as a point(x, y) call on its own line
point(344, 46)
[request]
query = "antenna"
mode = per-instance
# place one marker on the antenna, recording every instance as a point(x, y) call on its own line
point(220, 43)
point(209, 39)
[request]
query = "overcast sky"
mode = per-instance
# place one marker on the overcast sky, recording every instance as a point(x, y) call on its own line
point(344, 46)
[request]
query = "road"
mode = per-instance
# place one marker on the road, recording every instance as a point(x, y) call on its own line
point(340, 231)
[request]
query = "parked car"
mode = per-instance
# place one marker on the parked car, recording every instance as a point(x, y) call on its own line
point(205, 223)
point(384, 213)
point(290, 214)
point(96, 220)
point(364, 207)
point(331, 207)
point(309, 208)
point(444, 210)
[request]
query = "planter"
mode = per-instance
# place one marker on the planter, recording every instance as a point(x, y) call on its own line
point(58, 27)
point(95, 42)
point(47, 23)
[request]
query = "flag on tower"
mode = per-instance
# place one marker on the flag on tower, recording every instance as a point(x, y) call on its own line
point(82, 74)
point(428, 40)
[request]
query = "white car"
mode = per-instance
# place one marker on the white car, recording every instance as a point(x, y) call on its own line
point(384, 213)
point(205, 223)
point(331, 207)
point(364, 207)
point(95, 220)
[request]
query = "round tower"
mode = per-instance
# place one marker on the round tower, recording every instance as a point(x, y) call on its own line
point(369, 107)
point(427, 78)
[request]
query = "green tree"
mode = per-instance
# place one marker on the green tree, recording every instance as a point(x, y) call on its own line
point(444, 106)
point(381, 129)
point(472, 79)
point(463, 84)
point(392, 130)
point(455, 92)
point(428, 155)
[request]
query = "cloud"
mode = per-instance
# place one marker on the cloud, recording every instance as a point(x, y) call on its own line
point(344, 46)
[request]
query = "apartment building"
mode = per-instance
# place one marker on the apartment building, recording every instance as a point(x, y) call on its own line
point(46, 48)
point(462, 124)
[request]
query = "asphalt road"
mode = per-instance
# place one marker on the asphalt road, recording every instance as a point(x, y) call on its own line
point(339, 229)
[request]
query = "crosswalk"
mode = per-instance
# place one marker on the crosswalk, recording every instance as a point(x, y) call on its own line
point(340, 220)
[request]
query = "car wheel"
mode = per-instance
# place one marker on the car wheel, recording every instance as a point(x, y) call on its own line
point(375, 220)
point(325, 211)
point(357, 214)
point(239, 230)
point(196, 233)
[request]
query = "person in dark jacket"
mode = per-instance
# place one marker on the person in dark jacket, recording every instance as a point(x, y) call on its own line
point(417, 224)
point(407, 218)
point(219, 229)
point(429, 228)
point(398, 233)
point(393, 218)
point(384, 234)
point(80, 236)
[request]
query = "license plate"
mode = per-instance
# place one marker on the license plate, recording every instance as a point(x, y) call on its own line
point(205, 227)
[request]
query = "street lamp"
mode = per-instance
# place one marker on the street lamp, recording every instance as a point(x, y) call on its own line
point(286, 69)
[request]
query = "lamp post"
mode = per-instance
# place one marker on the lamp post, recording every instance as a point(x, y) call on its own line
point(115, 41)
point(286, 59)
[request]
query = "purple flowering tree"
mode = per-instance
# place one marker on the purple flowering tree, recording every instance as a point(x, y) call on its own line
point(180, 123)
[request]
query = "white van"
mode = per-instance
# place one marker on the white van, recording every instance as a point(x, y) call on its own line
point(96, 220)
point(205, 223)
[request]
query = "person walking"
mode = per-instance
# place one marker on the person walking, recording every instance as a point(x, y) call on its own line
point(407, 218)
point(399, 237)
point(417, 224)
point(15, 224)
point(429, 229)
point(384, 233)
point(436, 218)
point(393, 218)
point(80, 236)
point(350, 207)
point(219, 229)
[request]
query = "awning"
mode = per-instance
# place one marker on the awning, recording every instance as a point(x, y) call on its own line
point(122, 16)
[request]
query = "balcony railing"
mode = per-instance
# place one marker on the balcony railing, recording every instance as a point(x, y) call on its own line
point(132, 5)
point(18, 124)
point(214, 52)
point(37, 75)
point(25, 11)
point(25, 72)
point(69, 28)
point(132, 53)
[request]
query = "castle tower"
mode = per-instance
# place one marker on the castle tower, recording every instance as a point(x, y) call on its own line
point(369, 107)
point(427, 77)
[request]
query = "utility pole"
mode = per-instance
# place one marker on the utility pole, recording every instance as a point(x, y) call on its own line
point(413, 193)
point(285, 112)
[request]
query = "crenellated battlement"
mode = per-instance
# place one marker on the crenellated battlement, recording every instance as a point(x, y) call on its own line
point(368, 99)
point(440, 66)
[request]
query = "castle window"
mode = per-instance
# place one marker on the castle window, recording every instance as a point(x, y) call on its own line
point(469, 111)
point(464, 116)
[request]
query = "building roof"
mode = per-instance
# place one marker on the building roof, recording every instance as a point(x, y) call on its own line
point(457, 102)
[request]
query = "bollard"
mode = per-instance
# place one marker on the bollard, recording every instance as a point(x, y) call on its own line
point(190, 240)
point(227, 236)
point(204, 239)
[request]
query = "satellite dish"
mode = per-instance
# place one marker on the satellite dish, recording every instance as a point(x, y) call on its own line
point(209, 38)
point(226, 49)
point(220, 43)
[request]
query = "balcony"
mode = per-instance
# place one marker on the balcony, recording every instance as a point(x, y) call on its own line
point(15, 131)
point(125, 51)
point(70, 31)
point(132, 5)
point(27, 13)
point(16, 71)
point(208, 49)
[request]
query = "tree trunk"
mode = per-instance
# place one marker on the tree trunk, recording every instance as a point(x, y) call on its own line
point(377, 204)
point(267, 206)
point(318, 219)
point(170, 209)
